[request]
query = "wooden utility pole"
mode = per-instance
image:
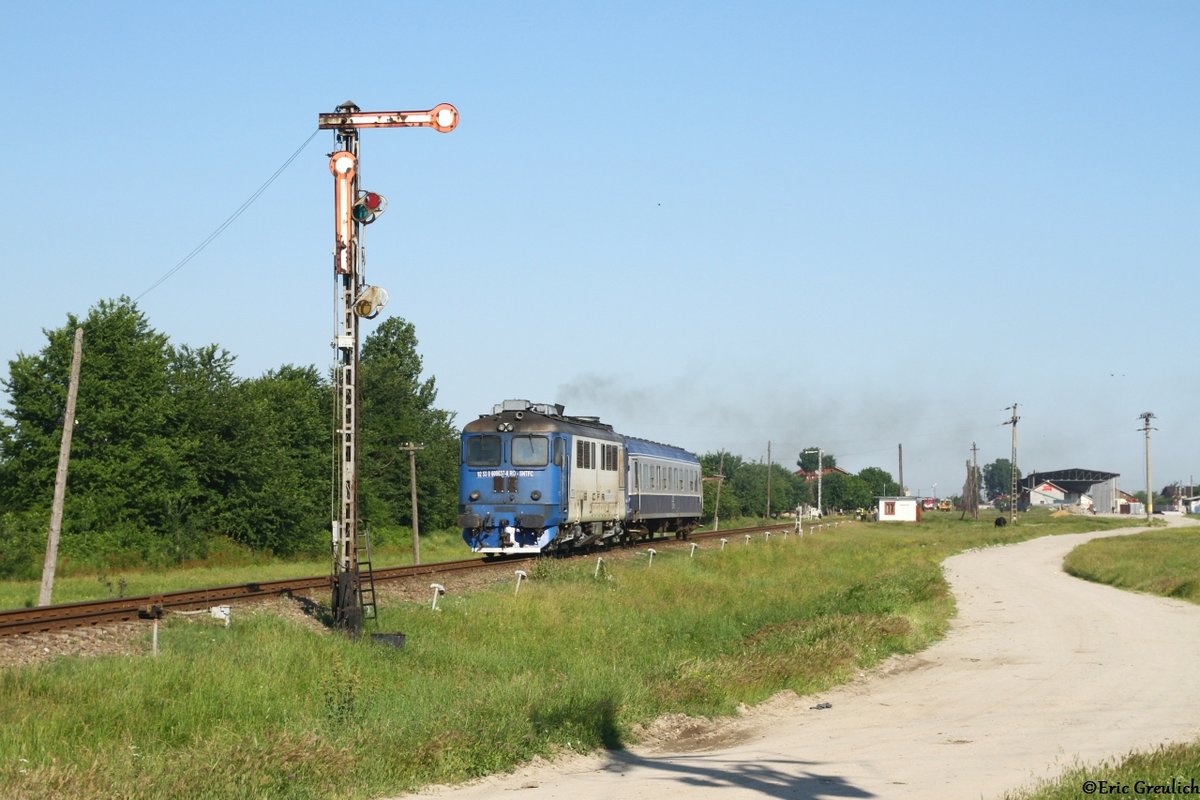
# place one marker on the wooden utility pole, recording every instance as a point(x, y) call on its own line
point(60, 476)
point(412, 480)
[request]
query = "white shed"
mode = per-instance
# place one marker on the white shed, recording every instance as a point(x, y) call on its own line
point(898, 509)
point(1047, 494)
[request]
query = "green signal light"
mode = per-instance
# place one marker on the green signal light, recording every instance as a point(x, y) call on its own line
point(367, 207)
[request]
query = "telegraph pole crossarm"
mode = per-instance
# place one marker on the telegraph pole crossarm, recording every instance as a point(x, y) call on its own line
point(354, 208)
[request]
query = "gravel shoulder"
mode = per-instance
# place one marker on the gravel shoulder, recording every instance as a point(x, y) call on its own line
point(1039, 672)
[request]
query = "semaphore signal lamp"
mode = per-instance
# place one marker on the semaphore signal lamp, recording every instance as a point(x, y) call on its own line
point(368, 206)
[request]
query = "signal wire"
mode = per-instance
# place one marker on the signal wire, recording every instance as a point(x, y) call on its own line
point(229, 220)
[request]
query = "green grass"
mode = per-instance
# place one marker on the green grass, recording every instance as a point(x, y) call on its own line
point(1135, 774)
point(270, 709)
point(229, 565)
point(1164, 562)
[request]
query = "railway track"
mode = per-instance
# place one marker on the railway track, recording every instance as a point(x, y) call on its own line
point(105, 612)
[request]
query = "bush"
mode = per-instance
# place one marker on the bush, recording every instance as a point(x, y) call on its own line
point(23, 544)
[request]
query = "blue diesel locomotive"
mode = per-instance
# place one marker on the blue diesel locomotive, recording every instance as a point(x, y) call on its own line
point(532, 479)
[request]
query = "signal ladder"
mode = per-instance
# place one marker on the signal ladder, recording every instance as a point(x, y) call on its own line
point(366, 578)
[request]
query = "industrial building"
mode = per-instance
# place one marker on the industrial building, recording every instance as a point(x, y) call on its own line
point(1088, 489)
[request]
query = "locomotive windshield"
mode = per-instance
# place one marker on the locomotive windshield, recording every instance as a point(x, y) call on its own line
point(530, 451)
point(483, 451)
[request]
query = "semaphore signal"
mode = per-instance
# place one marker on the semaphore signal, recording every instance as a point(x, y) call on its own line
point(353, 208)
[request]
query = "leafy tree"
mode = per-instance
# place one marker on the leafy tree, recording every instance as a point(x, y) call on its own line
point(207, 430)
point(22, 544)
point(723, 463)
point(997, 478)
point(783, 489)
point(1160, 501)
point(276, 493)
point(398, 408)
point(809, 456)
point(169, 447)
point(804, 491)
point(125, 471)
point(845, 492)
point(712, 467)
point(750, 485)
point(725, 466)
point(879, 482)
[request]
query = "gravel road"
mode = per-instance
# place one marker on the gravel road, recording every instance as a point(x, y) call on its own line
point(1039, 672)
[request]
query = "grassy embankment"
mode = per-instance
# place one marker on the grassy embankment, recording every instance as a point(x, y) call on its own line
point(1164, 562)
point(228, 564)
point(269, 709)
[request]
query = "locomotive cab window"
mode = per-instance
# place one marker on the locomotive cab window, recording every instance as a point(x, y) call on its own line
point(530, 451)
point(483, 451)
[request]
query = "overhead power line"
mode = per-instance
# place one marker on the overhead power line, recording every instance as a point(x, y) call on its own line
point(229, 220)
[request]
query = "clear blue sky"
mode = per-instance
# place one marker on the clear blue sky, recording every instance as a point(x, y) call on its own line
point(851, 225)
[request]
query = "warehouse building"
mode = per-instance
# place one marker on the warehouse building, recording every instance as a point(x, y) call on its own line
point(1084, 488)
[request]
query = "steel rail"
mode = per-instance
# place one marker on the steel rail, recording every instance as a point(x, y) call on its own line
point(93, 613)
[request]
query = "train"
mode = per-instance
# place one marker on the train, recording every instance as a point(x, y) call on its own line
point(535, 480)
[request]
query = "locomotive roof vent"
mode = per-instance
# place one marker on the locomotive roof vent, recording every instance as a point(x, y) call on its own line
point(546, 409)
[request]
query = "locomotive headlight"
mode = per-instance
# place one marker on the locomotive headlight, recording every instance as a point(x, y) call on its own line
point(473, 495)
point(535, 495)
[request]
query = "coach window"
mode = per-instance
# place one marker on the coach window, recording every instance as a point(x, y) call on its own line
point(530, 451)
point(483, 451)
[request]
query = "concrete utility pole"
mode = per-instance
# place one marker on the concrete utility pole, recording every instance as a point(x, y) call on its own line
point(354, 208)
point(975, 481)
point(60, 476)
point(900, 452)
point(1012, 480)
point(1146, 416)
point(412, 478)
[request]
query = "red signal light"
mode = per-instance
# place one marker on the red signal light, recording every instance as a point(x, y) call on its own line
point(368, 206)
